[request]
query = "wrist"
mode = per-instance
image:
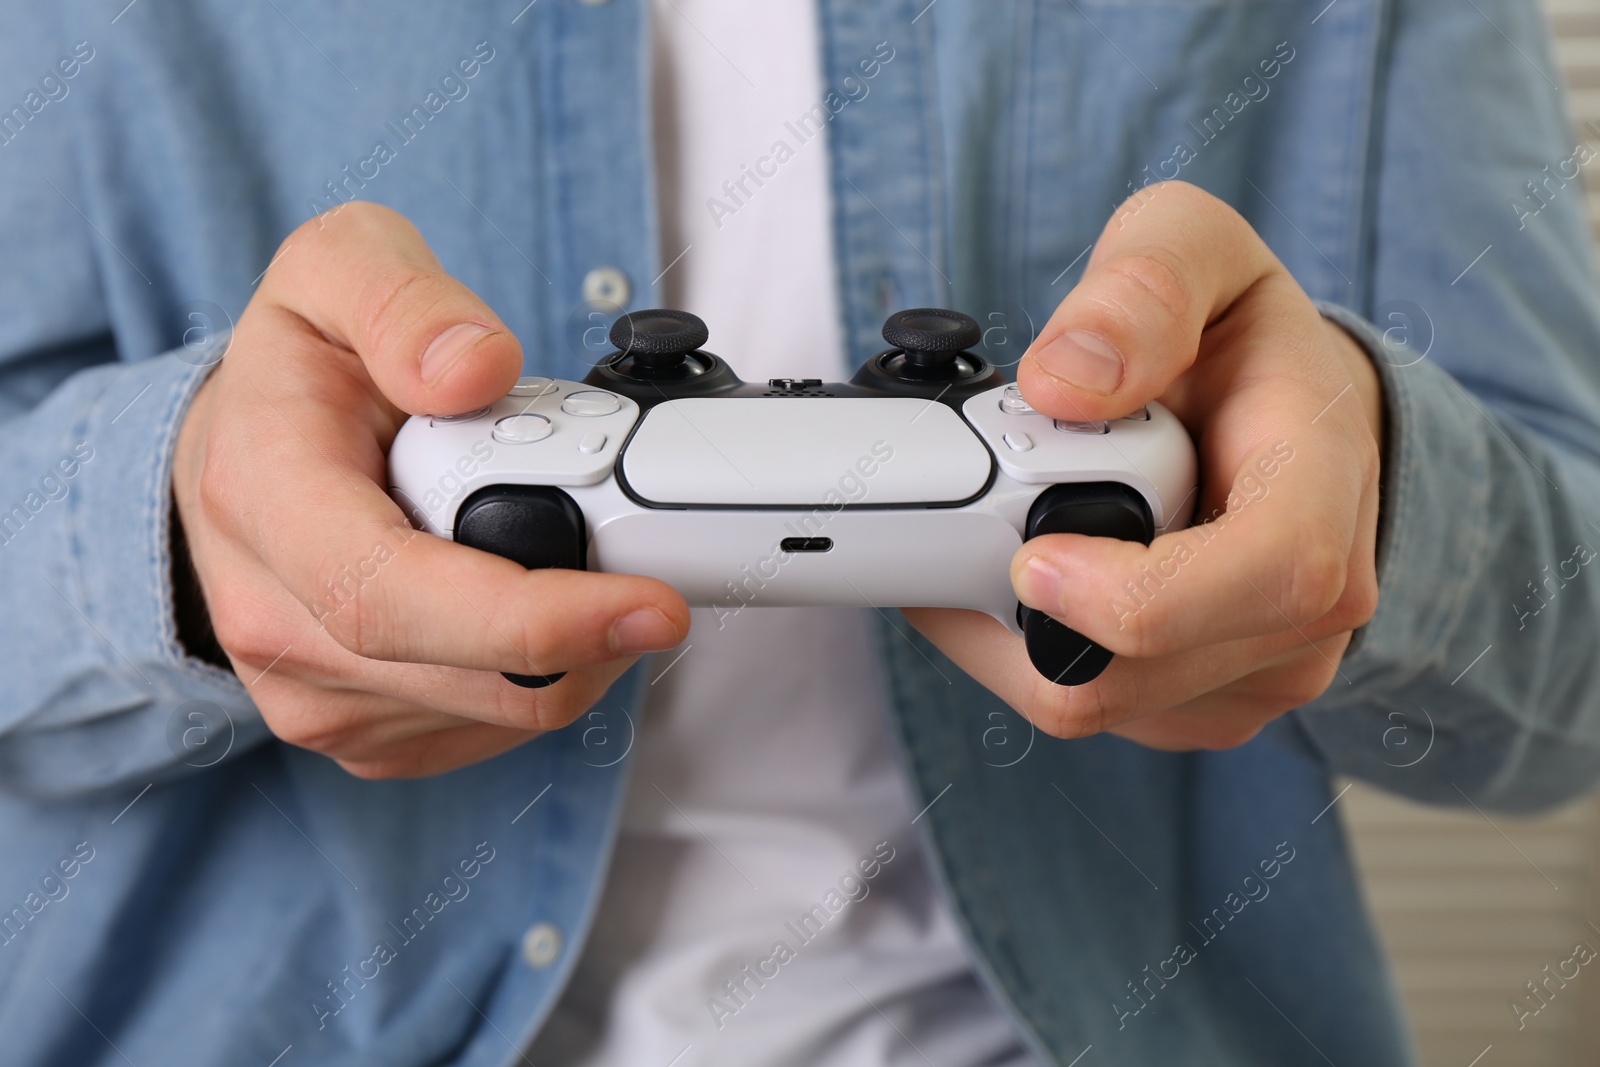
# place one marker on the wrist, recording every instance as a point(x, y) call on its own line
point(191, 618)
point(1364, 377)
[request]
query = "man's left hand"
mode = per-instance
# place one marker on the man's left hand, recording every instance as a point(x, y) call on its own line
point(1222, 627)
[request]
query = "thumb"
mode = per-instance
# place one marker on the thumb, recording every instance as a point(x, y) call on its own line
point(1165, 267)
point(364, 277)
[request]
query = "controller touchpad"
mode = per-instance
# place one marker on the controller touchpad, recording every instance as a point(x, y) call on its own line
point(807, 452)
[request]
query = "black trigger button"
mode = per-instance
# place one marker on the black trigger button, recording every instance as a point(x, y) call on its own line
point(535, 525)
point(534, 681)
point(1097, 509)
point(1059, 652)
point(1103, 509)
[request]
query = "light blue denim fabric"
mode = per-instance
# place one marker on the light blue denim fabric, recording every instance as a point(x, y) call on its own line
point(219, 910)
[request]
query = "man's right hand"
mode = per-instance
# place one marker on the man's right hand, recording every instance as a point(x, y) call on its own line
point(279, 482)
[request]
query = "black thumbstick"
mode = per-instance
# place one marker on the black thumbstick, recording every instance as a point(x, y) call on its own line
point(932, 337)
point(660, 355)
point(659, 339)
point(931, 358)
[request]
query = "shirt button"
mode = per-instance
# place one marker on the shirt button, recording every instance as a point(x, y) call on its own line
point(606, 288)
point(541, 945)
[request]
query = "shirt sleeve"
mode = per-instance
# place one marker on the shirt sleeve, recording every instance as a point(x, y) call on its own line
point(98, 690)
point(1478, 679)
point(95, 691)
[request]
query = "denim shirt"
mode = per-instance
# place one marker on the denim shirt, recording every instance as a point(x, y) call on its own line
point(178, 887)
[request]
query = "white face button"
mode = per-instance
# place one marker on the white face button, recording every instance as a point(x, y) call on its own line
point(1011, 401)
point(534, 386)
point(590, 403)
point(468, 416)
point(1018, 441)
point(1142, 415)
point(522, 429)
point(1067, 426)
point(592, 443)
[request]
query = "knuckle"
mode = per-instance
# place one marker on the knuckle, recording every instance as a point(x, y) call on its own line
point(1158, 276)
point(354, 218)
point(396, 299)
point(350, 612)
point(1308, 685)
point(308, 728)
point(1223, 735)
point(544, 647)
point(514, 704)
point(1370, 458)
point(1304, 684)
point(1139, 633)
point(1315, 580)
point(369, 216)
point(244, 631)
point(304, 236)
point(1357, 605)
point(532, 643)
point(356, 221)
point(410, 761)
point(218, 484)
point(347, 728)
point(215, 493)
point(302, 732)
point(1216, 212)
point(1072, 713)
point(313, 236)
point(538, 709)
point(1364, 599)
point(369, 770)
point(1217, 215)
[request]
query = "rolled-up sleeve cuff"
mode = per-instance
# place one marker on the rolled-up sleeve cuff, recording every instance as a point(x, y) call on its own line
point(1433, 512)
point(102, 692)
point(1444, 696)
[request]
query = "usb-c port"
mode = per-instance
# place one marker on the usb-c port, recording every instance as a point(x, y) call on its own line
point(805, 544)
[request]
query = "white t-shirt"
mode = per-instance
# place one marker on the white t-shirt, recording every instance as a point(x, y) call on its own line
point(768, 903)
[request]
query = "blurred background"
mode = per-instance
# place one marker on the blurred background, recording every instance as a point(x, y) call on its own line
point(1472, 909)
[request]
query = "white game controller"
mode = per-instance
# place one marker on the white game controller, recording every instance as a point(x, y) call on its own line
point(913, 485)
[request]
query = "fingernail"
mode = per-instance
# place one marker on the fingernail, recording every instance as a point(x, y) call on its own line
point(1085, 360)
point(1039, 585)
point(450, 346)
point(645, 630)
